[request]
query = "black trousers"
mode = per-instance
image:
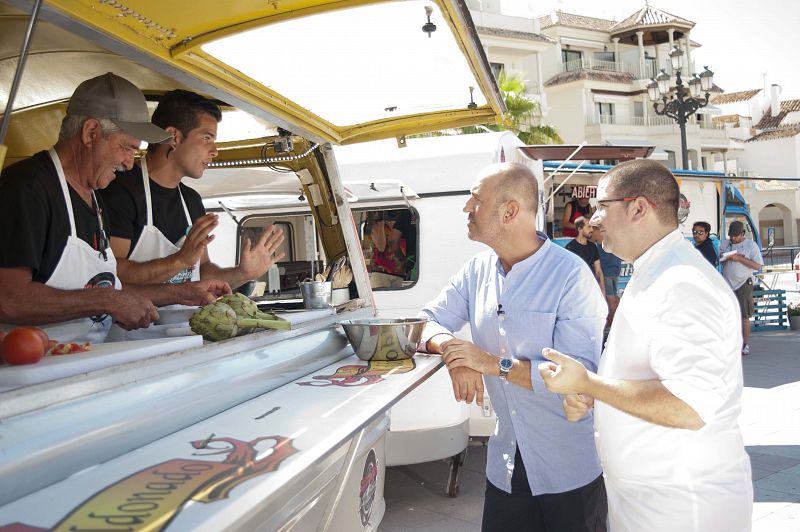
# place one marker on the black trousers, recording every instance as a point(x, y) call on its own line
point(584, 509)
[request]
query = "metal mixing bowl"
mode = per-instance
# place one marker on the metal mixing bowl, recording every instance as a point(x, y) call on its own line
point(384, 339)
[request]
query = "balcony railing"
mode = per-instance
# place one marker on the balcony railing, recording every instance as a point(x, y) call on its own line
point(593, 120)
point(653, 120)
point(651, 69)
point(609, 66)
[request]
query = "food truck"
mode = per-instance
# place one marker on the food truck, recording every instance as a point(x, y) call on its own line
point(274, 430)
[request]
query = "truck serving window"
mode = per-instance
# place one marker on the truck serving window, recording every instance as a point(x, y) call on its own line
point(389, 240)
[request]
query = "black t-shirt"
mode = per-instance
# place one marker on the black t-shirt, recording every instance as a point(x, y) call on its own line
point(127, 208)
point(588, 252)
point(707, 249)
point(34, 223)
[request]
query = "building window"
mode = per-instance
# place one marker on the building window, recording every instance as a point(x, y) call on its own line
point(638, 109)
point(605, 112)
point(608, 57)
point(496, 69)
point(572, 59)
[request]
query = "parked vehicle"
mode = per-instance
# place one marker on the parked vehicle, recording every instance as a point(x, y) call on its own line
point(276, 430)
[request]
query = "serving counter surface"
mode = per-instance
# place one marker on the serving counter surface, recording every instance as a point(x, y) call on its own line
point(294, 453)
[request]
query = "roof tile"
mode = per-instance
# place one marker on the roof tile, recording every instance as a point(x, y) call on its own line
point(513, 34)
point(731, 97)
point(650, 16)
point(775, 134)
point(770, 122)
point(591, 75)
point(575, 21)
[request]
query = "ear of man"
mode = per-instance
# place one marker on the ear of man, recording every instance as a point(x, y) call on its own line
point(90, 130)
point(510, 210)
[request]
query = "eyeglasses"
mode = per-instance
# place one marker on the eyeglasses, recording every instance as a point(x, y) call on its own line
point(632, 198)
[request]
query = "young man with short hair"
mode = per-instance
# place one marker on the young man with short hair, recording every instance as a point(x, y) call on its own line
point(159, 228)
point(701, 232)
point(582, 247)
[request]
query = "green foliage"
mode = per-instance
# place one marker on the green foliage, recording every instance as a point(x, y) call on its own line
point(793, 310)
point(523, 115)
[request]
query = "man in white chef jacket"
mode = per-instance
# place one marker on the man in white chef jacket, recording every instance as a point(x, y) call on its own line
point(667, 393)
point(56, 266)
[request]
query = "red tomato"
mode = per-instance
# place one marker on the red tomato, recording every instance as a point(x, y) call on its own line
point(22, 346)
point(43, 336)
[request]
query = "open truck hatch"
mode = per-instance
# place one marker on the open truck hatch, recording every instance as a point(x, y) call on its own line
point(299, 76)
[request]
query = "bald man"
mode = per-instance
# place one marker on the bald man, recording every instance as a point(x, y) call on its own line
point(667, 395)
point(522, 295)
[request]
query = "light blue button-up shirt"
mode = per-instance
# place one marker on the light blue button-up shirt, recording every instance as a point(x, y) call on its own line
point(550, 299)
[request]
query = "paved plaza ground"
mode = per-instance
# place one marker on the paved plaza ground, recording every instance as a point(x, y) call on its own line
point(415, 495)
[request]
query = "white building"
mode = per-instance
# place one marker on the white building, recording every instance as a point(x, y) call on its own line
point(590, 76)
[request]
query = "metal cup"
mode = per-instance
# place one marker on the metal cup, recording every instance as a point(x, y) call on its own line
point(316, 294)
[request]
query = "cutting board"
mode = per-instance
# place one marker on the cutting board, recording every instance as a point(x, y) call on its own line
point(101, 356)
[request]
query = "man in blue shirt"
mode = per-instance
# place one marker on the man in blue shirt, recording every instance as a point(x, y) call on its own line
point(522, 295)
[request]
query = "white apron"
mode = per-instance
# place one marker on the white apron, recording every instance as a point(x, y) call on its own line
point(81, 266)
point(152, 243)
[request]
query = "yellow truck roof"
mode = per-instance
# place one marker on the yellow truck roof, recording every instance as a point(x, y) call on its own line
point(330, 71)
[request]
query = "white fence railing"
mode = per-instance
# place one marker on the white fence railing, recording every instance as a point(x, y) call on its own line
point(653, 120)
point(587, 63)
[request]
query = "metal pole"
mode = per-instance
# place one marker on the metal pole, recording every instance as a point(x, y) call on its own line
point(682, 125)
point(23, 56)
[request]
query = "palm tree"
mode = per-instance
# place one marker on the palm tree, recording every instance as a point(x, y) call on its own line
point(523, 115)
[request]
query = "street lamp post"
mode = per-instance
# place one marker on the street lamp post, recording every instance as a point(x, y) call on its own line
point(683, 103)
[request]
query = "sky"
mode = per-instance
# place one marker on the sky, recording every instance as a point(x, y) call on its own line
point(741, 39)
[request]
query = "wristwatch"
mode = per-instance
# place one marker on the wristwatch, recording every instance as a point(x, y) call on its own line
point(505, 366)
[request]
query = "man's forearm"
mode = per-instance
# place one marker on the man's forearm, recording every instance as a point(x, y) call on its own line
point(233, 276)
point(520, 374)
point(154, 271)
point(39, 304)
point(648, 400)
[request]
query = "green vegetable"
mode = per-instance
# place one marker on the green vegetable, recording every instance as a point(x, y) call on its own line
point(245, 308)
point(218, 321)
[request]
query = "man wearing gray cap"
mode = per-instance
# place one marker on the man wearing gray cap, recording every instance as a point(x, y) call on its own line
point(55, 245)
point(740, 259)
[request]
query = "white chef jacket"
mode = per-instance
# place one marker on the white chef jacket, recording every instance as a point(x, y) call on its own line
point(678, 322)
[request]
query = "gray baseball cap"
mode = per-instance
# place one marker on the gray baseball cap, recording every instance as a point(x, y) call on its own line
point(117, 99)
point(736, 228)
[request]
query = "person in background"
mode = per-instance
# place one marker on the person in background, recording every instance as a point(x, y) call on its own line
point(667, 396)
point(159, 228)
point(701, 231)
point(388, 246)
point(523, 294)
point(741, 258)
point(577, 208)
point(55, 251)
point(611, 266)
point(586, 250)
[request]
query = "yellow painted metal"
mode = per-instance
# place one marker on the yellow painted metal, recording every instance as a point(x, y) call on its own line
point(173, 33)
point(325, 215)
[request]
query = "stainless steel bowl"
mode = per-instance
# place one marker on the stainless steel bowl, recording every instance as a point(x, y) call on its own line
point(384, 339)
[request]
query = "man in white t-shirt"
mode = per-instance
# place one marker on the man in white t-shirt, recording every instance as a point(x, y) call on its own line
point(740, 259)
point(667, 393)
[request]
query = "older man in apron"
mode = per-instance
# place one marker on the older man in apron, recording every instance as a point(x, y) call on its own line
point(55, 243)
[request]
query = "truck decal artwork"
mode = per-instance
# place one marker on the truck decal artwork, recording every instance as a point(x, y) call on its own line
point(151, 498)
point(368, 487)
point(684, 206)
point(361, 375)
